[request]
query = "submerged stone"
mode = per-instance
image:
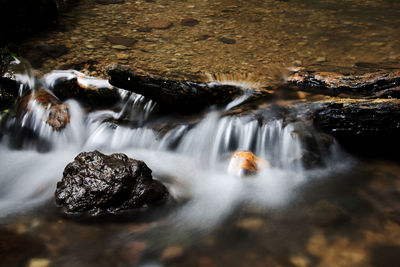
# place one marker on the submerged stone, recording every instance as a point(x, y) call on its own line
point(160, 24)
point(227, 40)
point(95, 183)
point(189, 22)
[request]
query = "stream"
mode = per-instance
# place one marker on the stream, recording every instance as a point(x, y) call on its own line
point(216, 214)
point(342, 211)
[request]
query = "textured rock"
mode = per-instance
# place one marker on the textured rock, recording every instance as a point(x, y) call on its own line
point(172, 95)
point(95, 183)
point(55, 113)
point(330, 81)
point(359, 118)
point(8, 87)
point(94, 97)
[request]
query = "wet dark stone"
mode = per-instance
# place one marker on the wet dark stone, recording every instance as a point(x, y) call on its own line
point(92, 97)
point(368, 127)
point(95, 183)
point(8, 87)
point(172, 94)
point(144, 29)
point(203, 37)
point(315, 145)
point(121, 40)
point(331, 82)
point(389, 93)
point(227, 40)
point(189, 22)
point(360, 118)
point(109, 2)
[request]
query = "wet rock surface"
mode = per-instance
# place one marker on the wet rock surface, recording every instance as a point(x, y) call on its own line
point(94, 97)
point(173, 95)
point(55, 113)
point(362, 118)
point(367, 83)
point(95, 183)
point(8, 87)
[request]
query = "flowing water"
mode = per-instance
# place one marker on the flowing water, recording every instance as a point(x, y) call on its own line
point(342, 213)
point(213, 210)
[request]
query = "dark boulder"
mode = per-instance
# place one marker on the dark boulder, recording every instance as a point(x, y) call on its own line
point(94, 97)
point(173, 94)
point(95, 183)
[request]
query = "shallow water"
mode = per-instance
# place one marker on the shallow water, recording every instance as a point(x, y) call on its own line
point(343, 214)
point(266, 35)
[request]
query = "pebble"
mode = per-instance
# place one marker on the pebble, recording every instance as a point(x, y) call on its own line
point(377, 43)
point(321, 59)
point(144, 29)
point(89, 46)
point(251, 224)
point(121, 40)
point(189, 22)
point(39, 262)
point(122, 56)
point(119, 47)
point(203, 37)
point(171, 253)
point(161, 24)
point(227, 40)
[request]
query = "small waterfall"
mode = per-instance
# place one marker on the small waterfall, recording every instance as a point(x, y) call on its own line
point(192, 160)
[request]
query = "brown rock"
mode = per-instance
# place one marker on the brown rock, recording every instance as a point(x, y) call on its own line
point(245, 163)
point(57, 115)
point(160, 24)
point(189, 22)
point(121, 40)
